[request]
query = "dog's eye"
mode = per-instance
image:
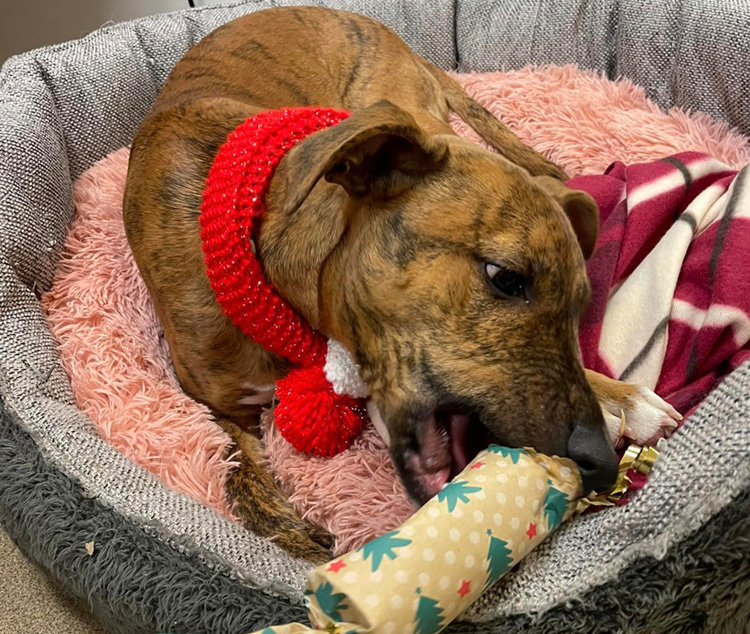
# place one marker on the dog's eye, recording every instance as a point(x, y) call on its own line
point(506, 282)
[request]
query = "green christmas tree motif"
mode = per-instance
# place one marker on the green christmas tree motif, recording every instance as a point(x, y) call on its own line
point(498, 558)
point(429, 617)
point(555, 505)
point(383, 546)
point(268, 630)
point(330, 604)
point(507, 452)
point(456, 492)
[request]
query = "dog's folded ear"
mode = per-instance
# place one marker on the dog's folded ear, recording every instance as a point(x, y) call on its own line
point(581, 209)
point(378, 152)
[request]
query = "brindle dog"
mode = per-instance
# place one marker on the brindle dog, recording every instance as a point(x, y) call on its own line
point(455, 275)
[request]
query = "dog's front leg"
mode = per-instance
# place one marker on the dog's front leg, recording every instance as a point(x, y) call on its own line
point(263, 508)
point(647, 417)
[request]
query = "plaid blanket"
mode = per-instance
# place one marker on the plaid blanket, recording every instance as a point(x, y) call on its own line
point(670, 306)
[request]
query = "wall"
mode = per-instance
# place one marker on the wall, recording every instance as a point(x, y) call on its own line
point(27, 24)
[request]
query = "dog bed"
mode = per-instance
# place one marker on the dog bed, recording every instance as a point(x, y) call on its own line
point(674, 559)
point(111, 346)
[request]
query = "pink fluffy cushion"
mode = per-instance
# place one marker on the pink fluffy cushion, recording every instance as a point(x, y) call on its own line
point(111, 345)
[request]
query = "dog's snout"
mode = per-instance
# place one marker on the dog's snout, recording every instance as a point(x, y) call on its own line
point(589, 447)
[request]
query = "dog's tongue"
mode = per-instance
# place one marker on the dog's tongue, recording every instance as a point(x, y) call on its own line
point(442, 452)
point(432, 465)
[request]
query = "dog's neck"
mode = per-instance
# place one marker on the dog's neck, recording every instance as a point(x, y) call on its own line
point(252, 240)
point(294, 248)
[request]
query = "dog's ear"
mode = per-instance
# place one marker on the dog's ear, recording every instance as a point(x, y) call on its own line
point(378, 152)
point(580, 208)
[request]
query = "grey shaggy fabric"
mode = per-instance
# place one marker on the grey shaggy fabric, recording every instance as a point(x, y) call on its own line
point(64, 107)
point(134, 583)
point(702, 584)
point(688, 53)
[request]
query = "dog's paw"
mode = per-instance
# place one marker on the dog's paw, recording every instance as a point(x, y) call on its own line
point(308, 542)
point(648, 418)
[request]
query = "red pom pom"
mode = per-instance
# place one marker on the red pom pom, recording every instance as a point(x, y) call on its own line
point(312, 417)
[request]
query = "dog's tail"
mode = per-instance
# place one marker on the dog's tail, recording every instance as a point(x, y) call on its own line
point(490, 129)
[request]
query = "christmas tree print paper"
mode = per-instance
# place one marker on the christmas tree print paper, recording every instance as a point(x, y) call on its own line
point(429, 616)
point(555, 506)
point(383, 546)
point(422, 576)
point(499, 559)
point(455, 492)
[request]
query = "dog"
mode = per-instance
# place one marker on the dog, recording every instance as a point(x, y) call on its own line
point(454, 275)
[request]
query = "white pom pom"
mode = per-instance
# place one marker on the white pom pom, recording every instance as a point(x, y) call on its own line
point(343, 372)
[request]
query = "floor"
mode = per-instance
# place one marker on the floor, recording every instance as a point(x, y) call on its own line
point(32, 603)
point(42, 22)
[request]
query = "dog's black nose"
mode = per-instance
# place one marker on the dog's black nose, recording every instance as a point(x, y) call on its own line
point(589, 447)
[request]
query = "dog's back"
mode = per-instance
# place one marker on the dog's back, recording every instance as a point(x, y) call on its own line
point(310, 56)
point(305, 56)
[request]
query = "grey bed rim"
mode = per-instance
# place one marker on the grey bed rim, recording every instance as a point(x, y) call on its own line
point(699, 584)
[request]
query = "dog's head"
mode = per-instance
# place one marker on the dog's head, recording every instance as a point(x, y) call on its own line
point(456, 280)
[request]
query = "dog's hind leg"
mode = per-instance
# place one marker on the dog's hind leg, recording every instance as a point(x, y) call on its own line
point(493, 131)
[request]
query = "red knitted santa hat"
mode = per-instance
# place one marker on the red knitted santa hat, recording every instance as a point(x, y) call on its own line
point(320, 408)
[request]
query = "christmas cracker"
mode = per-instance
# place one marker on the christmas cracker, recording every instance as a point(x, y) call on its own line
point(419, 578)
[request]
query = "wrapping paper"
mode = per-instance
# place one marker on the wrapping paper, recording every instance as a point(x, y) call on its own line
point(420, 577)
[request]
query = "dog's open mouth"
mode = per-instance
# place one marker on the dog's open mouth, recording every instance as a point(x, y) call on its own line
point(447, 441)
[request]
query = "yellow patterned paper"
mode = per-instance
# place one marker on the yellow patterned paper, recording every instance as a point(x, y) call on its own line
point(420, 577)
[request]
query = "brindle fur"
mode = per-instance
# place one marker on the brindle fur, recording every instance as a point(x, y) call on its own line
point(375, 232)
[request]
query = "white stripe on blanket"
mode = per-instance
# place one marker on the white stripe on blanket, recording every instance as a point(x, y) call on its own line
point(632, 347)
point(668, 182)
point(717, 316)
